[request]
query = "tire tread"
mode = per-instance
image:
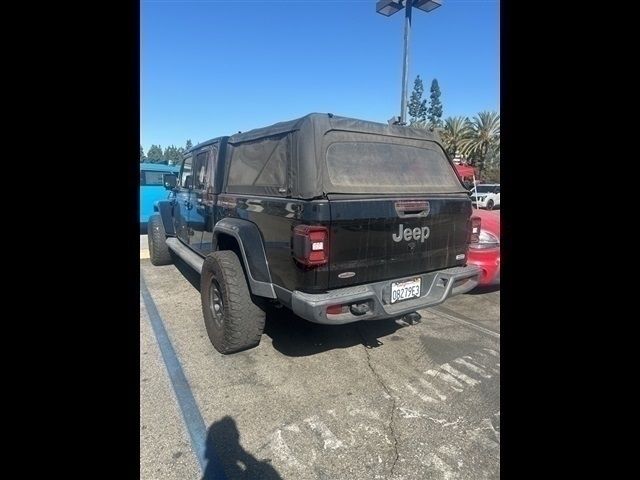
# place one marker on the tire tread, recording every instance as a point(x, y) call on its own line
point(159, 253)
point(243, 320)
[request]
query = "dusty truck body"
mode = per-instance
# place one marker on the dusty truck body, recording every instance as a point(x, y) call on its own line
point(338, 219)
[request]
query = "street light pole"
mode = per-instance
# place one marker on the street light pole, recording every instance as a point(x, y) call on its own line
point(405, 64)
point(388, 8)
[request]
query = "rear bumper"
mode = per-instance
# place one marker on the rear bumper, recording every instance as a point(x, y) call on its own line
point(436, 287)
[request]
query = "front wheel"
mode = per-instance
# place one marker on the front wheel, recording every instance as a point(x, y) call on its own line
point(158, 250)
point(232, 320)
point(490, 205)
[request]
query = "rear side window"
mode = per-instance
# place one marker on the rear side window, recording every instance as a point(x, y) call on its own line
point(259, 166)
point(201, 171)
point(393, 167)
point(150, 177)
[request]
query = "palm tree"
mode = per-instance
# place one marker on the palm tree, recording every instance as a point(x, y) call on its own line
point(485, 134)
point(455, 131)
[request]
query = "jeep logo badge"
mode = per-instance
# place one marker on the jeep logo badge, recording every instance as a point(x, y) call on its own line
point(418, 233)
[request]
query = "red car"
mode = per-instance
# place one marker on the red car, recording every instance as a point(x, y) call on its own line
point(486, 253)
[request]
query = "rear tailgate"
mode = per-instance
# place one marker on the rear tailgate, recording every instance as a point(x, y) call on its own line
point(374, 239)
point(397, 206)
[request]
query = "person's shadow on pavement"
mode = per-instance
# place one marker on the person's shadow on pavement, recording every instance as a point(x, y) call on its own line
point(223, 451)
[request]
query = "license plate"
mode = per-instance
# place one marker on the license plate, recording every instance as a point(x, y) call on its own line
point(405, 290)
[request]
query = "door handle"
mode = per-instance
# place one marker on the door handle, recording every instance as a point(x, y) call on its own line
point(412, 208)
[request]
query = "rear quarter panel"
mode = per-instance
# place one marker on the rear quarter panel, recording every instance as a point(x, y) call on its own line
point(275, 218)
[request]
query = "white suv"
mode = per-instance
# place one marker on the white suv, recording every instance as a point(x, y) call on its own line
point(486, 195)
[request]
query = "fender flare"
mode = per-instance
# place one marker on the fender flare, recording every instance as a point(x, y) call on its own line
point(164, 207)
point(253, 255)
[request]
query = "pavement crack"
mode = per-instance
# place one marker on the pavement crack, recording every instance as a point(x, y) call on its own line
point(391, 423)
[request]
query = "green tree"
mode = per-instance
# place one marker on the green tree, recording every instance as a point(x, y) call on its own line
point(492, 165)
point(189, 145)
point(172, 155)
point(484, 139)
point(417, 106)
point(455, 132)
point(154, 155)
point(142, 155)
point(435, 106)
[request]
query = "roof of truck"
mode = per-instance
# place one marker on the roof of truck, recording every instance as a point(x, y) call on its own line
point(326, 119)
point(289, 158)
point(320, 123)
point(204, 144)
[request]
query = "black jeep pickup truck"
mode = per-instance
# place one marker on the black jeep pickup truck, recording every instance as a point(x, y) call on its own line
point(337, 219)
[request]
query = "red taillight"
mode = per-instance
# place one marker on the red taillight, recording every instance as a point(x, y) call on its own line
point(474, 231)
point(310, 245)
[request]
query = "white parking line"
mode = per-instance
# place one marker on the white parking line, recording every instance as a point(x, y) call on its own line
point(442, 314)
point(472, 367)
point(458, 374)
point(455, 384)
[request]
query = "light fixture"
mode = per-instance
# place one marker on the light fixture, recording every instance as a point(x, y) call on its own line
point(388, 7)
point(427, 5)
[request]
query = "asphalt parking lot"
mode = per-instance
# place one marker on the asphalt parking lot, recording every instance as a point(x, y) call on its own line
point(377, 400)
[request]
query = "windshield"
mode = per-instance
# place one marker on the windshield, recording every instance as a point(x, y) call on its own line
point(150, 177)
point(485, 188)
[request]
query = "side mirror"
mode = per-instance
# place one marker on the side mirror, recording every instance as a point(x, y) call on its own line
point(170, 181)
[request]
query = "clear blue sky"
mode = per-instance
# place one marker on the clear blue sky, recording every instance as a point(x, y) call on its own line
point(212, 67)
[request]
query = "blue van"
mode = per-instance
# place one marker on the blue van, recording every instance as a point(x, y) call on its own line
point(152, 187)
